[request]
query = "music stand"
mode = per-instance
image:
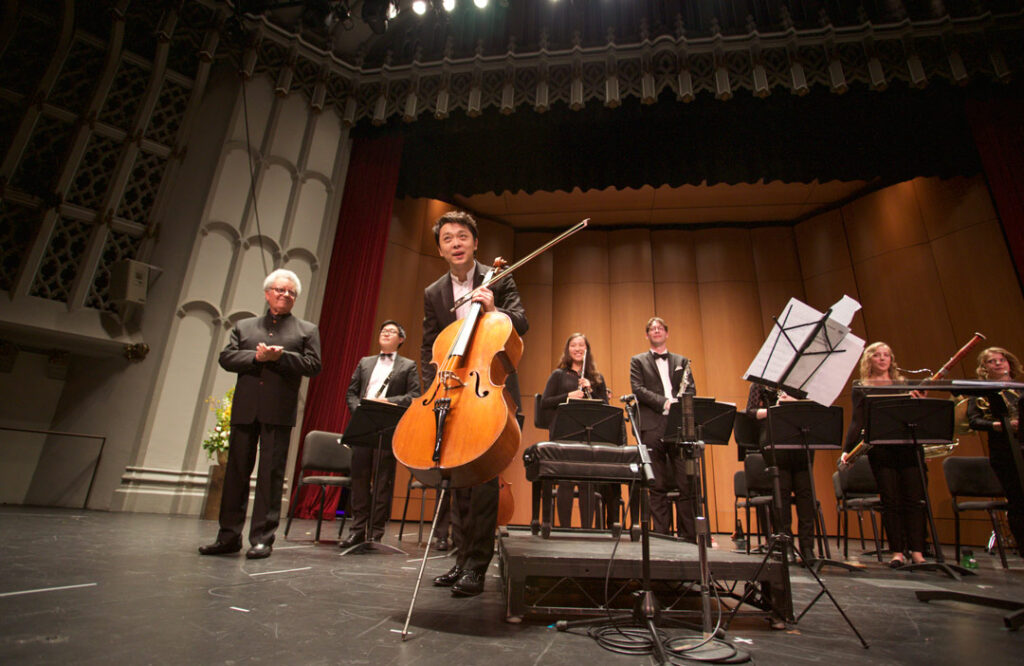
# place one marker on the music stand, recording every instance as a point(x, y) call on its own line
point(713, 422)
point(990, 390)
point(894, 421)
point(587, 421)
point(809, 426)
point(782, 542)
point(372, 424)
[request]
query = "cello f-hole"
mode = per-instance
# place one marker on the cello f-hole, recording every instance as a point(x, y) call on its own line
point(476, 389)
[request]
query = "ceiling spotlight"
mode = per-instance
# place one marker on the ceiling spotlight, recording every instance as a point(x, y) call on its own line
point(480, 3)
point(420, 7)
point(392, 10)
point(449, 5)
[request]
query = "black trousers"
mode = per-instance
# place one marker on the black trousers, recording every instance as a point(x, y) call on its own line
point(899, 486)
point(1001, 459)
point(795, 482)
point(384, 487)
point(670, 473)
point(474, 516)
point(564, 497)
point(271, 441)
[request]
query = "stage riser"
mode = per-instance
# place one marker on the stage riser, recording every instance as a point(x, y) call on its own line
point(543, 578)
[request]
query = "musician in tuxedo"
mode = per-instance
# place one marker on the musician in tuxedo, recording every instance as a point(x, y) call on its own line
point(271, 354)
point(657, 378)
point(997, 364)
point(474, 511)
point(386, 376)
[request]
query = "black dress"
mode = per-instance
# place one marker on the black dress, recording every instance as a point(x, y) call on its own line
point(560, 384)
point(1000, 456)
point(898, 477)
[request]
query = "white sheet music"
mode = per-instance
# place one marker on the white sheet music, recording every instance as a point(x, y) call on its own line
point(823, 369)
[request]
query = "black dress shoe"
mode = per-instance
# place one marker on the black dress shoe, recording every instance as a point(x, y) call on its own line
point(259, 551)
point(469, 584)
point(448, 579)
point(221, 548)
point(352, 539)
point(442, 544)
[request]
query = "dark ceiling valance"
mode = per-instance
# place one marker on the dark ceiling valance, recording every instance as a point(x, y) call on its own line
point(863, 135)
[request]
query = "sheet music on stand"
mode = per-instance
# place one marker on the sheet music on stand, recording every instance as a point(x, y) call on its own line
point(809, 354)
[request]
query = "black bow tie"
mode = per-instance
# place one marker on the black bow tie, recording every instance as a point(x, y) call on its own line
point(662, 357)
point(387, 356)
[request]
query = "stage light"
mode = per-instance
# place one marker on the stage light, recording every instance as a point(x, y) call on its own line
point(449, 5)
point(392, 10)
point(420, 7)
point(480, 3)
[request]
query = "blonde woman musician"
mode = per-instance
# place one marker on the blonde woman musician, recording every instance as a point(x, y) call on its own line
point(999, 365)
point(894, 466)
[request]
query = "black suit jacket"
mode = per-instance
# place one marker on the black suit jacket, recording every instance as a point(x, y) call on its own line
point(268, 392)
point(437, 304)
point(403, 385)
point(650, 394)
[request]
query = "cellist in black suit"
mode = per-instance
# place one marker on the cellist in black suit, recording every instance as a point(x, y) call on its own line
point(474, 510)
point(657, 377)
point(384, 376)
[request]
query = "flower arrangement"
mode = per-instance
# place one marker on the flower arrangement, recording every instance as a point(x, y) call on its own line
point(217, 439)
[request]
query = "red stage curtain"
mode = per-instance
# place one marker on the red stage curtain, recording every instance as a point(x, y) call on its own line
point(347, 323)
point(998, 128)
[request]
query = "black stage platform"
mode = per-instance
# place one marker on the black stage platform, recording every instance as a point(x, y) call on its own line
point(565, 576)
point(91, 587)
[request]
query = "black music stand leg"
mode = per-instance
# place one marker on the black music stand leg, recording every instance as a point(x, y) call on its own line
point(954, 571)
point(817, 564)
point(368, 542)
point(783, 543)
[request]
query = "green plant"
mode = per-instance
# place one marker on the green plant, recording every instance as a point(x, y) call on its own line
point(217, 439)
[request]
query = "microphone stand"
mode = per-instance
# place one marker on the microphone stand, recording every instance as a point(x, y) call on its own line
point(646, 611)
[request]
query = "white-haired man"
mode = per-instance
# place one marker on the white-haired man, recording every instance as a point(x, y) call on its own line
point(271, 355)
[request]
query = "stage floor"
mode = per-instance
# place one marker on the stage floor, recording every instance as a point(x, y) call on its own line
point(87, 587)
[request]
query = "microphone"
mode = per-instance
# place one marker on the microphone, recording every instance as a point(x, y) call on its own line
point(627, 398)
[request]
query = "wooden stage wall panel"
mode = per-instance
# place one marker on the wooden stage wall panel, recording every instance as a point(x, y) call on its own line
point(926, 258)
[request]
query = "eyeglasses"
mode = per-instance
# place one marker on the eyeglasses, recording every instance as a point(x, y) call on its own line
point(283, 292)
point(390, 331)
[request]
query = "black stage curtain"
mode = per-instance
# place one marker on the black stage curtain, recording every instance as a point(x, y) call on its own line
point(889, 136)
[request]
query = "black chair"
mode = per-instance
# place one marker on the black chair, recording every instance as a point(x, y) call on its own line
point(747, 432)
point(974, 477)
point(323, 452)
point(415, 484)
point(856, 490)
point(758, 485)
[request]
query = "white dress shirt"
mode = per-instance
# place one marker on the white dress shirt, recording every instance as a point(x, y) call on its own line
point(381, 371)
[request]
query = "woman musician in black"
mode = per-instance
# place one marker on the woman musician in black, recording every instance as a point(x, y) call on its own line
point(999, 365)
point(794, 473)
point(895, 466)
point(575, 377)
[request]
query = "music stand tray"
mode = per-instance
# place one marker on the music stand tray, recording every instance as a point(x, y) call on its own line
point(897, 420)
point(372, 425)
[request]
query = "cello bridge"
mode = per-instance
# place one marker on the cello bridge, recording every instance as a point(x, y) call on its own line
point(451, 380)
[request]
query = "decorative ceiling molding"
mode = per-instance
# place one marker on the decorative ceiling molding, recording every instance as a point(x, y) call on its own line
point(960, 50)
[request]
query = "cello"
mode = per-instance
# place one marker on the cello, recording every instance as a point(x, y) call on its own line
point(464, 428)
